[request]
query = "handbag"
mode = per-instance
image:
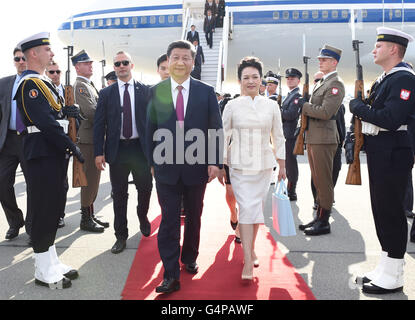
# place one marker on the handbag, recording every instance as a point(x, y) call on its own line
point(282, 214)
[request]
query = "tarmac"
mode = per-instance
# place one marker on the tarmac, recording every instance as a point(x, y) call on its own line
point(328, 263)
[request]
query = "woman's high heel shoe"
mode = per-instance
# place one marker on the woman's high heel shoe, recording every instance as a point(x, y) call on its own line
point(247, 276)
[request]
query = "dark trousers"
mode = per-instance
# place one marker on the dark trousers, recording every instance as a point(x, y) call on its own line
point(169, 233)
point(196, 72)
point(65, 193)
point(337, 165)
point(291, 164)
point(130, 159)
point(389, 169)
point(209, 38)
point(10, 157)
point(46, 187)
point(408, 202)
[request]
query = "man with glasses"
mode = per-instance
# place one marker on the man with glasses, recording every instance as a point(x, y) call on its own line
point(11, 149)
point(119, 140)
point(86, 96)
point(54, 74)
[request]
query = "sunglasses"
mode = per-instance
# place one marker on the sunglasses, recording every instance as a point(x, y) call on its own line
point(17, 59)
point(53, 71)
point(124, 63)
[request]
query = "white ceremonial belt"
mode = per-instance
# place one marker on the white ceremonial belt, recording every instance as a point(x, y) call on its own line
point(63, 123)
point(401, 128)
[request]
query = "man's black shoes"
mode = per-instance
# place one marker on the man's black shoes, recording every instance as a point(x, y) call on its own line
point(192, 268)
point(168, 286)
point(119, 246)
point(12, 233)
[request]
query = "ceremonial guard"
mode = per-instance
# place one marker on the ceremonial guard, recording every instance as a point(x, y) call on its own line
point(46, 148)
point(86, 96)
point(290, 112)
point(385, 118)
point(322, 137)
point(272, 85)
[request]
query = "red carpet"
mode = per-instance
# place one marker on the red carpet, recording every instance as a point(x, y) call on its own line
point(220, 266)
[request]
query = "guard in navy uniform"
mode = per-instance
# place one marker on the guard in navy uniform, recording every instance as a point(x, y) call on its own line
point(385, 118)
point(290, 112)
point(272, 86)
point(46, 148)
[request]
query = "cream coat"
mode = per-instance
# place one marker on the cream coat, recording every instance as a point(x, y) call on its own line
point(248, 126)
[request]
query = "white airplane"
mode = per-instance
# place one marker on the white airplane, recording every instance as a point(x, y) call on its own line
point(273, 30)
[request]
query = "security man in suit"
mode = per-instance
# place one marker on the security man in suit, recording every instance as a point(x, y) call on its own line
point(86, 96)
point(47, 149)
point(199, 60)
point(322, 137)
point(111, 78)
point(290, 113)
point(11, 149)
point(385, 117)
point(193, 35)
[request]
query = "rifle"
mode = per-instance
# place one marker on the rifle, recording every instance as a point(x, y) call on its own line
point(78, 176)
point(353, 175)
point(279, 98)
point(299, 143)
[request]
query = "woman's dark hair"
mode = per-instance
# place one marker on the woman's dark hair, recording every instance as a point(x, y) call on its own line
point(249, 62)
point(181, 44)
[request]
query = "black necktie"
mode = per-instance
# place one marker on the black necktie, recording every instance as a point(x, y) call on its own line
point(127, 116)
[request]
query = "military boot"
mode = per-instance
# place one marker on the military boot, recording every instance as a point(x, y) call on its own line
point(87, 222)
point(302, 227)
point(291, 191)
point(321, 226)
point(102, 224)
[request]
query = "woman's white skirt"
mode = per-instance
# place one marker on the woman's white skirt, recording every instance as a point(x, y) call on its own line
point(251, 190)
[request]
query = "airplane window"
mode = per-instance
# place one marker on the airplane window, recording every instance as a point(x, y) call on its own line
point(345, 14)
point(364, 13)
point(92, 23)
point(109, 22)
point(117, 21)
point(84, 24)
point(325, 14)
point(276, 15)
point(335, 14)
point(126, 21)
point(100, 23)
point(296, 15)
point(305, 14)
point(179, 18)
point(286, 15)
point(162, 19)
point(398, 13)
point(171, 19)
point(315, 14)
point(143, 20)
point(135, 20)
point(152, 19)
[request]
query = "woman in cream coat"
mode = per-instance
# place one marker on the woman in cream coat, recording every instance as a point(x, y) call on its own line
point(249, 122)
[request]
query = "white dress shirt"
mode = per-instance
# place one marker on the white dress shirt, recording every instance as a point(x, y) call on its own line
point(131, 91)
point(185, 92)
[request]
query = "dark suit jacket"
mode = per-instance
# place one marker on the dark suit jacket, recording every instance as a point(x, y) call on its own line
point(6, 88)
point(290, 112)
point(208, 26)
point(202, 113)
point(213, 8)
point(195, 37)
point(107, 121)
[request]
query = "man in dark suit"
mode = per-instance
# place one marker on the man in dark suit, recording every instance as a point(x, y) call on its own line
point(11, 148)
point(199, 59)
point(119, 131)
point(209, 28)
point(193, 35)
point(179, 105)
